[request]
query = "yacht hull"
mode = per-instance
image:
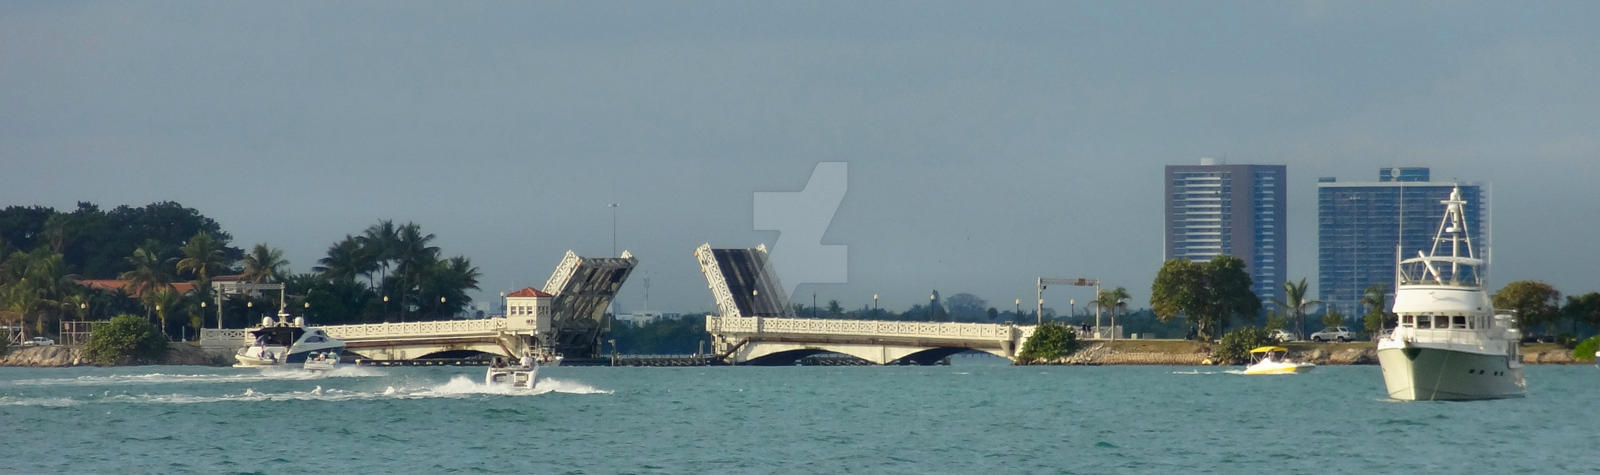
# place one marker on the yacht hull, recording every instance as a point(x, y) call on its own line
point(1434, 374)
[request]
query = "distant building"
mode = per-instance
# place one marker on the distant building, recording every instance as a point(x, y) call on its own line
point(1359, 224)
point(1237, 210)
point(642, 317)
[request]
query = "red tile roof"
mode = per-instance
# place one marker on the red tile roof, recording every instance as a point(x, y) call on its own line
point(529, 292)
point(113, 284)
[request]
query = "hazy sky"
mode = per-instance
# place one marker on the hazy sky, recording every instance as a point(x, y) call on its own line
point(987, 143)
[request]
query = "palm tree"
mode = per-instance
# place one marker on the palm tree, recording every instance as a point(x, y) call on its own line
point(264, 264)
point(1375, 300)
point(346, 259)
point(1113, 299)
point(413, 256)
point(378, 244)
point(146, 276)
point(164, 300)
point(203, 257)
point(1295, 301)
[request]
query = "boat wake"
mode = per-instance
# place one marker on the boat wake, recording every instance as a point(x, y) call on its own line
point(1196, 371)
point(459, 387)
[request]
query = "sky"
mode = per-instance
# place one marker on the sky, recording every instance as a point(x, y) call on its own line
point(986, 144)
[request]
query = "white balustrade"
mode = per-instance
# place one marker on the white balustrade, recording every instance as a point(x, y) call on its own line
point(875, 328)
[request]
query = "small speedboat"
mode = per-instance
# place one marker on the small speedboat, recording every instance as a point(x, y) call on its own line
point(322, 361)
point(280, 342)
point(1274, 360)
point(514, 376)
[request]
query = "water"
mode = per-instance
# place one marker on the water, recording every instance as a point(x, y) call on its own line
point(977, 415)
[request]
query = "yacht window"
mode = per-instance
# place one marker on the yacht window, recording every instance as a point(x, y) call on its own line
point(314, 339)
point(1458, 321)
point(1422, 322)
point(1405, 320)
point(1472, 323)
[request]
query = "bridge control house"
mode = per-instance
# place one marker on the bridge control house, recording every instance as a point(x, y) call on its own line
point(530, 305)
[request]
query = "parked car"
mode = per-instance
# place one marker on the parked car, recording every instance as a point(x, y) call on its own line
point(39, 341)
point(1333, 334)
point(1281, 336)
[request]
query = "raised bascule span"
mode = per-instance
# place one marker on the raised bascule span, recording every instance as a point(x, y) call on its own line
point(581, 289)
point(756, 325)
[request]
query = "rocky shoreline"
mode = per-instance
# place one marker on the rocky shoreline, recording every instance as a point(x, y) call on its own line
point(57, 356)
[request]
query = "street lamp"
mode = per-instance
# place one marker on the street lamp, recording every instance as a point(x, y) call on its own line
point(874, 304)
point(83, 309)
point(932, 299)
point(1072, 308)
point(1019, 310)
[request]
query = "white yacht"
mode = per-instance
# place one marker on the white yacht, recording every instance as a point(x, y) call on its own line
point(1450, 343)
point(278, 342)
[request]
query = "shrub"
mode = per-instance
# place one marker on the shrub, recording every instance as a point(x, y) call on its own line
point(1049, 342)
point(1236, 345)
point(127, 339)
point(1585, 351)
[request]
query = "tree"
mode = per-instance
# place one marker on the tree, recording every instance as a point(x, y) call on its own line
point(1207, 294)
point(965, 307)
point(412, 255)
point(165, 300)
point(1236, 345)
point(1377, 318)
point(126, 339)
point(1535, 303)
point(203, 257)
point(379, 243)
point(1050, 341)
point(1294, 300)
point(147, 276)
point(264, 264)
point(834, 309)
point(348, 259)
point(1333, 318)
point(1275, 321)
point(1112, 299)
point(1582, 309)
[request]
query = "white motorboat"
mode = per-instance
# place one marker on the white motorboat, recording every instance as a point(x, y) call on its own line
point(1450, 343)
point(517, 376)
point(322, 361)
point(280, 342)
point(1275, 360)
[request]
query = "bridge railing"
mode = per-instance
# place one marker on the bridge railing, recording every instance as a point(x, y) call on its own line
point(901, 329)
point(415, 329)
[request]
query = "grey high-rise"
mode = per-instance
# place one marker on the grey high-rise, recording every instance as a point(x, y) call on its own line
point(1237, 210)
point(1360, 223)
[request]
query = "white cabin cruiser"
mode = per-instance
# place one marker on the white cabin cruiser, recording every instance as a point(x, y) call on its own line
point(279, 342)
point(1450, 343)
point(322, 361)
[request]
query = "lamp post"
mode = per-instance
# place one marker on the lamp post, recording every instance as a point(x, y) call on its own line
point(307, 312)
point(386, 307)
point(503, 310)
point(83, 309)
point(441, 304)
point(1072, 308)
point(932, 299)
point(1019, 310)
point(874, 305)
point(614, 207)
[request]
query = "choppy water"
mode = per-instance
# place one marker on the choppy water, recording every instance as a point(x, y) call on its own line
point(977, 415)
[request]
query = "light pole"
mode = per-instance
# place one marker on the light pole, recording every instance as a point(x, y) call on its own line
point(932, 299)
point(83, 309)
point(503, 310)
point(1019, 310)
point(614, 207)
point(1072, 308)
point(441, 304)
point(307, 313)
point(874, 304)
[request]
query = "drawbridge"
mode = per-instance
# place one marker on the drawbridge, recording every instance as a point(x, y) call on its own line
point(581, 289)
point(756, 325)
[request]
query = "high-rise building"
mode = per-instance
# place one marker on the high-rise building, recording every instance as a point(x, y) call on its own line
point(1359, 225)
point(1237, 210)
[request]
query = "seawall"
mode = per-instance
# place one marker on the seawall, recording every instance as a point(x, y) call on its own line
point(63, 356)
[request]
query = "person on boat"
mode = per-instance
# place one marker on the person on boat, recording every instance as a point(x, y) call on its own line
point(527, 359)
point(497, 363)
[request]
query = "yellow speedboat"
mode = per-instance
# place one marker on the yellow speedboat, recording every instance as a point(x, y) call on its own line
point(1274, 360)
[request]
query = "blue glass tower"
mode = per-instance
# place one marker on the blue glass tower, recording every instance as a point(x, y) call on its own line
point(1359, 224)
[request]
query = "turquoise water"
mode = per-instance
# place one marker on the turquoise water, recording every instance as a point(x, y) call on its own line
point(976, 415)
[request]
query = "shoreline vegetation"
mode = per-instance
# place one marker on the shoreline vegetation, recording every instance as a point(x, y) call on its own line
point(1093, 353)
